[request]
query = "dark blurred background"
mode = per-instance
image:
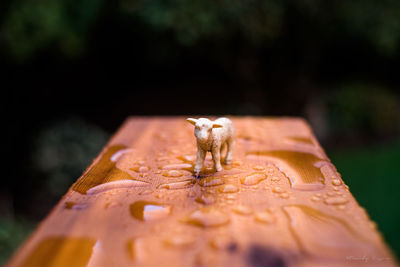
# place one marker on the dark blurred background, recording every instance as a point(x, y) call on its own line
point(73, 70)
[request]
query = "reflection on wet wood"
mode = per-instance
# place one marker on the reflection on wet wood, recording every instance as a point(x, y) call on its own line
point(61, 251)
point(280, 203)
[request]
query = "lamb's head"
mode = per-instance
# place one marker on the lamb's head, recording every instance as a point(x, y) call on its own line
point(203, 128)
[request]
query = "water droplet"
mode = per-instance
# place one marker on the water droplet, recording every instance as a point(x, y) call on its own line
point(341, 207)
point(178, 185)
point(149, 211)
point(315, 198)
point(211, 181)
point(74, 206)
point(178, 166)
point(137, 250)
point(270, 170)
point(237, 163)
point(111, 204)
point(258, 168)
point(318, 194)
point(159, 195)
point(265, 217)
point(230, 201)
point(242, 210)
point(187, 158)
point(205, 199)
point(229, 188)
point(278, 189)
point(230, 197)
point(275, 179)
point(336, 200)
point(69, 204)
point(180, 240)
point(205, 259)
point(331, 194)
point(144, 169)
point(209, 190)
point(301, 139)
point(222, 242)
point(116, 185)
point(174, 151)
point(207, 217)
point(140, 169)
point(119, 153)
point(253, 179)
point(172, 173)
point(163, 158)
point(284, 195)
point(336, 182)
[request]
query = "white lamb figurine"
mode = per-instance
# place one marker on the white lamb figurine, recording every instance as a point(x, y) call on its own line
point(213, 136)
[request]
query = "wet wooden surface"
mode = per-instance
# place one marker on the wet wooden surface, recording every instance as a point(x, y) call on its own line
point(280, 203)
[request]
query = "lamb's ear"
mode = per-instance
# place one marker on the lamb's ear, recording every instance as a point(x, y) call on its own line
point(192, 121)
point(217, 125)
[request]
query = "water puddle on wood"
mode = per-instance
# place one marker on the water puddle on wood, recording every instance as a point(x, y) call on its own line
point(324, 235)
point(299, 167)
point(149, 211)
point(61, 252)
point(103, 171)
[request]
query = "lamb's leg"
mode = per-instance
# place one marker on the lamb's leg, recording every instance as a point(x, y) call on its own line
point(216, 155)
point(231, 145)
point(201, 155)
point(223, 146)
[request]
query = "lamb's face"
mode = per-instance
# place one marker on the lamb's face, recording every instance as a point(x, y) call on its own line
point(203, 128)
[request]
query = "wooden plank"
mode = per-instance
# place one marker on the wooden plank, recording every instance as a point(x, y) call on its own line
point(280, 203)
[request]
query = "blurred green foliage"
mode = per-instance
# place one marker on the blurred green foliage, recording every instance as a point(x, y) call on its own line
point(376, 21)
point(358, 109)
point(12, 233)
point(372, 173)
point(33, 25)
point(192, 21)
point(63, 150)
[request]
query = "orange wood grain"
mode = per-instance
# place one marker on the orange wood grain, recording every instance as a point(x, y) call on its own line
point(280, 203)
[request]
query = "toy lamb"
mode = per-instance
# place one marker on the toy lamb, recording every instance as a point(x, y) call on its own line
point(213, 136)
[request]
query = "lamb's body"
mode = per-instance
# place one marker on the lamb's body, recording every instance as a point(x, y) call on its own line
point(213, 136)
